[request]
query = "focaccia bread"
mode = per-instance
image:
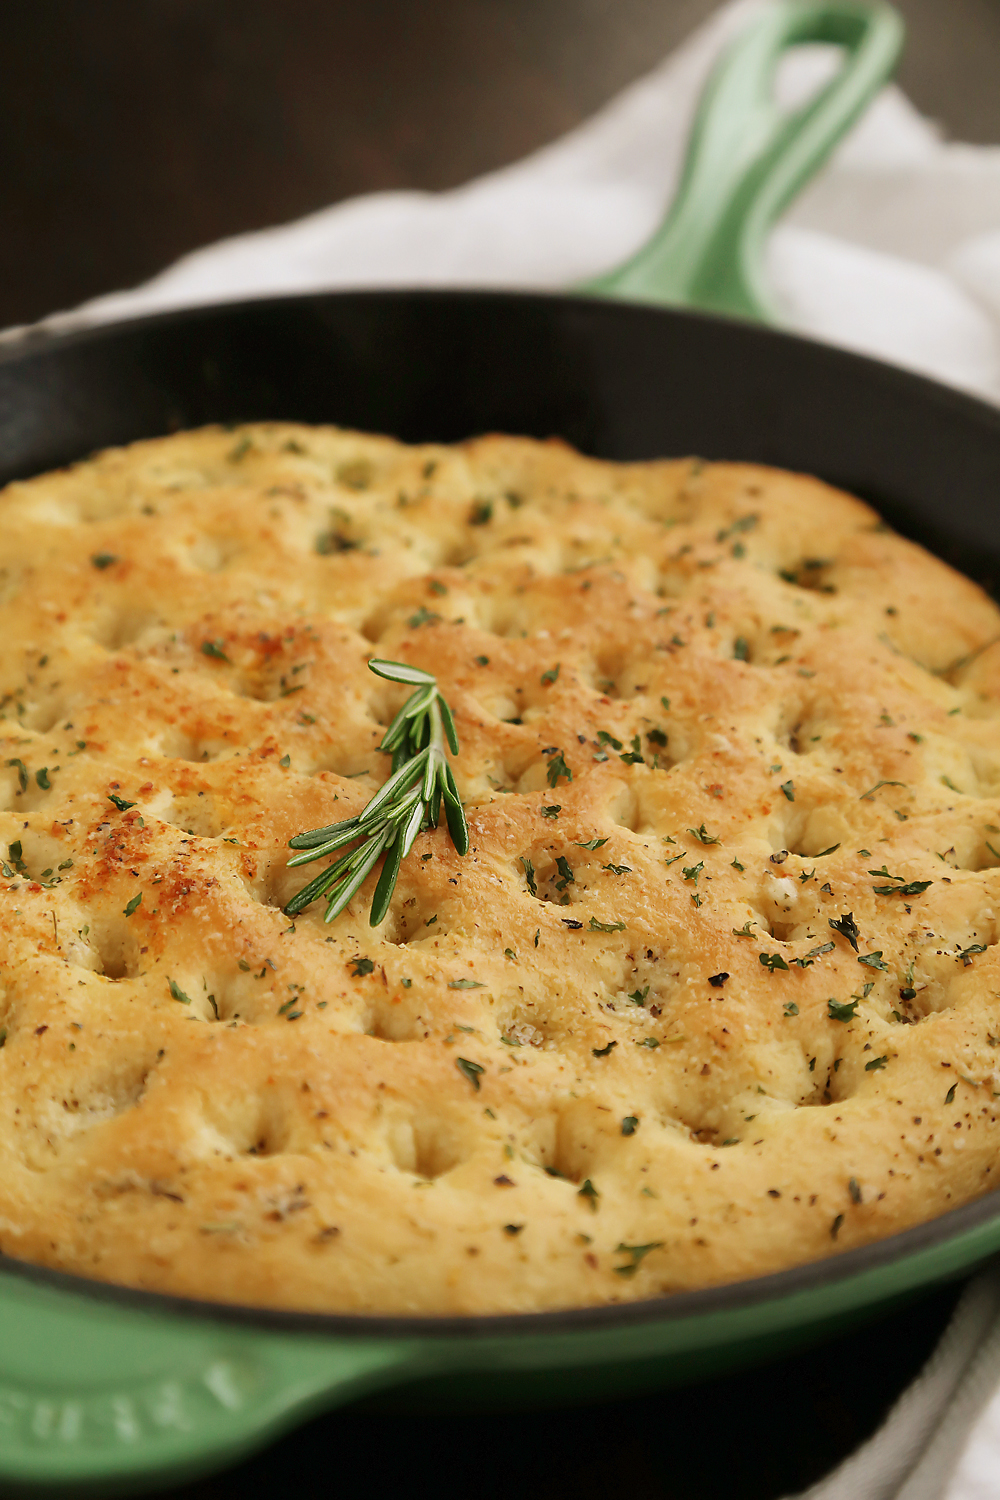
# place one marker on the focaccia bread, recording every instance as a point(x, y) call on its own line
point(716, 989)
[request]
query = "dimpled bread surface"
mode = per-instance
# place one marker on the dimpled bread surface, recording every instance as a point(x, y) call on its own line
point(716, 989)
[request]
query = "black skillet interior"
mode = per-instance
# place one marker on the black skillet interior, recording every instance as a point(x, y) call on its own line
point(618, 381)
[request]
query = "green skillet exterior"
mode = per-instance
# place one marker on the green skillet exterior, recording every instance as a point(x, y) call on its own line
point(107, 1392)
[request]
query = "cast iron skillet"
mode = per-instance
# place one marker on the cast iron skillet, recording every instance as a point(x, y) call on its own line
point(102, 1385)
point(117, 1390)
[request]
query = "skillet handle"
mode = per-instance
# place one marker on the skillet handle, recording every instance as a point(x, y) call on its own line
point(747, 158)
point(100, 1395)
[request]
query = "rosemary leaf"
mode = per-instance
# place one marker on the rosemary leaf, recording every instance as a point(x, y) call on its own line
point(409, 801)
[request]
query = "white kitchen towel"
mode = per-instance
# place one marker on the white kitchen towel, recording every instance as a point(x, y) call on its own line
point(894, 250)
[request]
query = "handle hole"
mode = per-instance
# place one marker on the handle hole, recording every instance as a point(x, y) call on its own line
point(803, 72)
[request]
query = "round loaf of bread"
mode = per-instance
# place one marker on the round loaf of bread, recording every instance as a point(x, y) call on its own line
point(716, 990)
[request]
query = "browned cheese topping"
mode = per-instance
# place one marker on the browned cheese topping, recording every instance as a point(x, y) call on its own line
point(714, 992)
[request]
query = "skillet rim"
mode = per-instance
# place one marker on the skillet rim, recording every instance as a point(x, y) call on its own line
point(749, 1292)
point(37, 339)
point(671, 1307)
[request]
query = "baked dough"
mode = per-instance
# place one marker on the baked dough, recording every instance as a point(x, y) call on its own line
point(724, 946)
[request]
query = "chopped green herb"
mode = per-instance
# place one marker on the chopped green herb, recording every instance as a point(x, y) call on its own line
point(134, 904)
point(847, 927)
point(529, 875)
point(177, 993)
point(482, 661)
point(596, 926)
point(912, 888)
point(703, 836)
point(551, 676)
point(22, 773)
point(788, 787)
point(791, 1009)
point(589, 1192)
point(285, 762)
point(473, 1071)
point(773, 961)
point(593, 844)
point(604, 1051)
point(874, 960)
point(876, 1064)
point(810, 958)
point(551, 812)
point(744, 523)
point(823, 852)
point(103, 560)
point(949, 1097)
point(42, 777)
point(648, 1041)
point(566, 872)
point(746, 930)
point(557, 769)
point(361, 966)
point(835, 1226)
point(737, 866)
point(423, 616)
point(691, 872)
point(866, 796)
point(637, 1254)
point(630, 1124)
point(481, 513)
point(618, 869)
point(741, 648)
point(214, 649)
point(120, 802)
point(633, 757)
point(465, 984)
point(638, 997)
point(844, 1011)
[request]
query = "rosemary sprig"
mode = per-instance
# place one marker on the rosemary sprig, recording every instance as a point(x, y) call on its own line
point(409, 801)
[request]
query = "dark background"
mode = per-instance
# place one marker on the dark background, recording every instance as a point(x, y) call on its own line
point(134, 130)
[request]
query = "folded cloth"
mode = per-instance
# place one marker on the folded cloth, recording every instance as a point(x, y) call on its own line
point(894, 250)
point(941, 1440)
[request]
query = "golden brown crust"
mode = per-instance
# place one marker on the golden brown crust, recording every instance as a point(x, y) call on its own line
point(732, 662)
